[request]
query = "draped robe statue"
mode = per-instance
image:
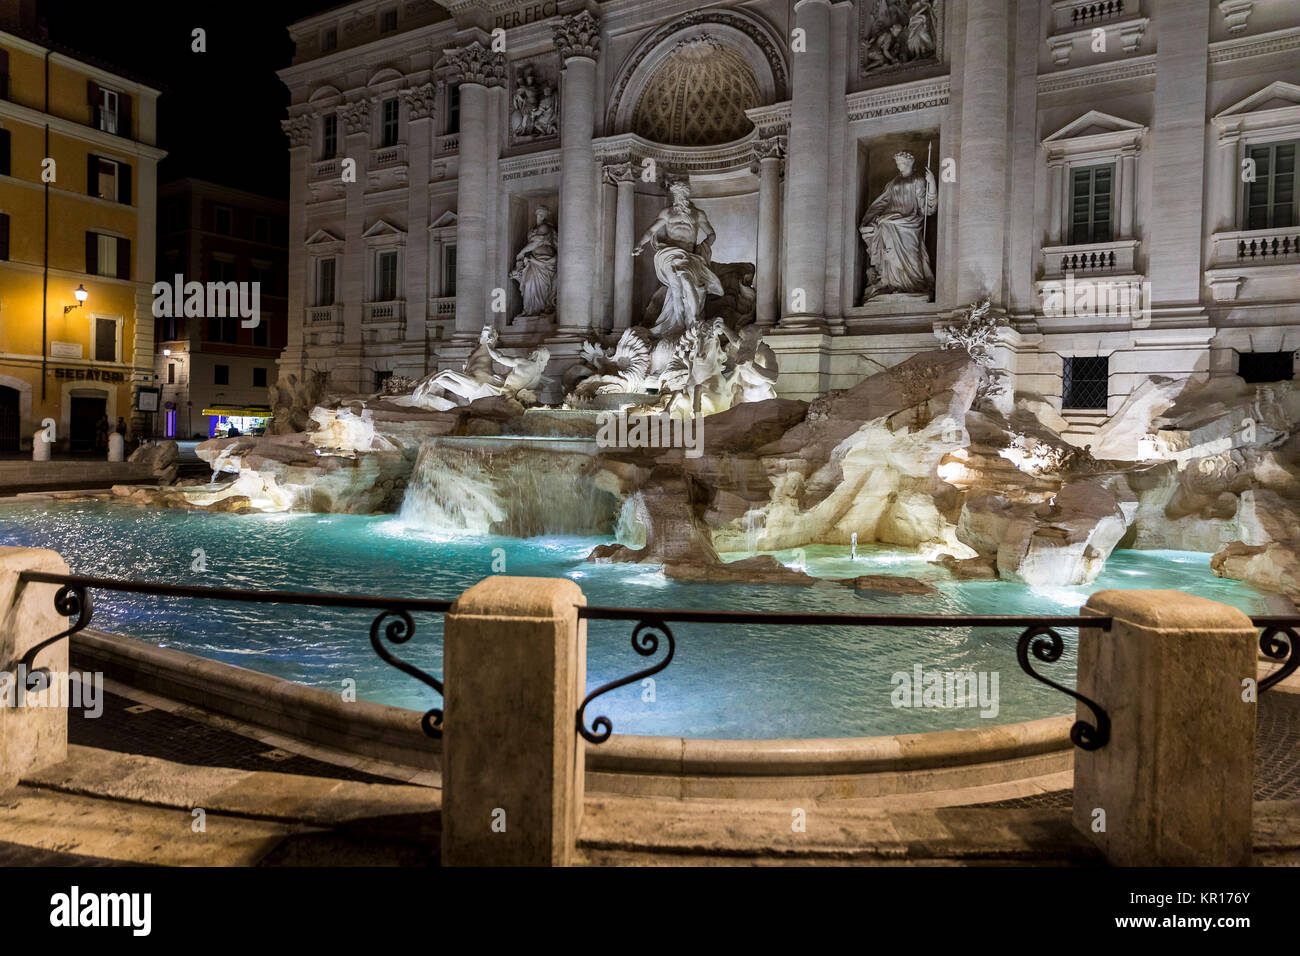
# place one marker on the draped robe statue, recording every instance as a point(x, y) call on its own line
point(535, 267)
point(681, 262)
point(893, 229)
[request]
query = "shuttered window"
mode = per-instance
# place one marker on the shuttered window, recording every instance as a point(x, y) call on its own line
point(4, 237)
point(1092, 190)
point(105, 340)
point(1271, 198)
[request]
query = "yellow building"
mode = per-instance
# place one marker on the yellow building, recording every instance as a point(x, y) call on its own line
point(78, 185)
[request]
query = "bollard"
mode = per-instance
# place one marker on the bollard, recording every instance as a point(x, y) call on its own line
point(1174, 785)
point(41, 446)
point(116, 447)
point(514, 672)
point(33, 734)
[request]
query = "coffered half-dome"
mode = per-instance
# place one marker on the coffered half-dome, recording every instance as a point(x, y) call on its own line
point(698, 95)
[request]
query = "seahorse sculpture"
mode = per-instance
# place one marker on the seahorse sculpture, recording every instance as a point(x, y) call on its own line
point(622, 370)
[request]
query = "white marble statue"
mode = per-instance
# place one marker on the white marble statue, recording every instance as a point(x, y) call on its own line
point(535, 267)
point(897, 33)
point(893, 228)
point(478, 377)
point(751, 366)
point(682, 239)
point(532, 109)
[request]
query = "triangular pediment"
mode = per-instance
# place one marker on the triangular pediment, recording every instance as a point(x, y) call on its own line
point(382, 227)
point(448, 218)
point(321, 236)
point(1094, 123)
point(1278, 95)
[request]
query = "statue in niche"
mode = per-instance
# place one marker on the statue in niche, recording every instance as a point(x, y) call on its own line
point(533, 107)
point(893, 229)
point(478, 377)
point(535, 267)
point(681, 261)
point(897, 33)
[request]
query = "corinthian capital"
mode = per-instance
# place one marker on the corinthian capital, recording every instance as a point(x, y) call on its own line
point(420, 101)
point(771, 147)
point(475, 63)
point(356, 117)
point(578, 35)
point(615, 173)
point(298, 129)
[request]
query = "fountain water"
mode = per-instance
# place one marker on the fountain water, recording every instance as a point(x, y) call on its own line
point(853, 547)
point(520, 487)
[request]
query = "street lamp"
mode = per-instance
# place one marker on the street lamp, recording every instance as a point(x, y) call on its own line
point(81, 294)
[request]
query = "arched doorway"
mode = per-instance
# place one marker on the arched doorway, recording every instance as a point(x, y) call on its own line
point(9, 418)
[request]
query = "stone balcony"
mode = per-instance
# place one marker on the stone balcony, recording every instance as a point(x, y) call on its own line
point(1255, 263)
point(383, 157)
point(442, 316)
point(1073, 22)
point(450, 143)
point(324, 314)
point(324, 169)
point(323, 324)
point(1117, 258)
point(389, 316)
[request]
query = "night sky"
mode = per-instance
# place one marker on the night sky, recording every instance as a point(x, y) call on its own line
point(220, 111)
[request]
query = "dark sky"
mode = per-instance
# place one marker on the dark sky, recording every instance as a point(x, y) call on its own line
point(219, 115)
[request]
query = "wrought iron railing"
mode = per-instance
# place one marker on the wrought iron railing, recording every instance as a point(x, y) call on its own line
point(394, 622)
point(1039, 638)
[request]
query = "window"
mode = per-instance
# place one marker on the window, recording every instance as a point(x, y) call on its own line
point(4, 74)
point(107, 256)
point(103, 180)
point(388, 20)
point(388, 123)
point(4, 152)
point(108, 103)
point(263, 276)
point(330, 41)
point(221, 375)
point(177, 216)
point(259, 378)
point(385, 277)
point(105, 340)
point(1086, 382)
point(324, 281)
point(223, 220)
point(171, 373)
point(1091, 199)
point(261, 229)
point(449, 271)
point(1266, 366)
point(329, 136)
point(1271, 198)
point(261, 337)
point(110, 110)
point(4, 237)
point(223, 329)
point(169, 328)
point(453, 109)
point(222, 270)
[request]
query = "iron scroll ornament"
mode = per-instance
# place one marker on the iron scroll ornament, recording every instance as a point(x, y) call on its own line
point(1272, 645)
point(399, 630)
point(646, 643)
point(70, 600)
point(1047, 646)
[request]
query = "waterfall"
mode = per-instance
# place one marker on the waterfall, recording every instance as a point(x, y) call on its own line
point(752, 529)
point(506, 487)
point(853, 547)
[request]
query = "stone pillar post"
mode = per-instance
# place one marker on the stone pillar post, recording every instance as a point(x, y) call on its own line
point(300, 130)
point(982, 198)
point(807, 171)
point(31, 737)
point(1056, 194)
point(768, 156)
point(476, 68)
point(623, 176)
point(420, 113)
point(353, 269)
point(512, 761)
point(577, 37)
point(1173, 786)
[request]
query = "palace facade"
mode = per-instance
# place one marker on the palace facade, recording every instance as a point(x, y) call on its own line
point(1119, 179)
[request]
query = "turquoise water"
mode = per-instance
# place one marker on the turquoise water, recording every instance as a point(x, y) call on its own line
point(726, 681)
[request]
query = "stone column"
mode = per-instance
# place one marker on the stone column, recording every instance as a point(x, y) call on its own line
point(300, 130)
point(512, 761)
point(31, 737)
point(1172, 243)
point(353, 269)
point(982, 198)
point(807, 171)
point(623, 176)
point(1229, 176)
point(1173, 786)
point(420, 113)
point(476, 68)
point(1127, 191)
point(577, 37)
point(768, 157)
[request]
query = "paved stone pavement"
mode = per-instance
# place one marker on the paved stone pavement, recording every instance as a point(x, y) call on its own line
point(126, 728)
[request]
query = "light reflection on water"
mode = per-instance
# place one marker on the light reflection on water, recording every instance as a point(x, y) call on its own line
point(736, 682)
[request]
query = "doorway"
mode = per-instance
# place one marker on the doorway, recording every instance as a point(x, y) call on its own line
point(86, 413)
point(8, 419)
